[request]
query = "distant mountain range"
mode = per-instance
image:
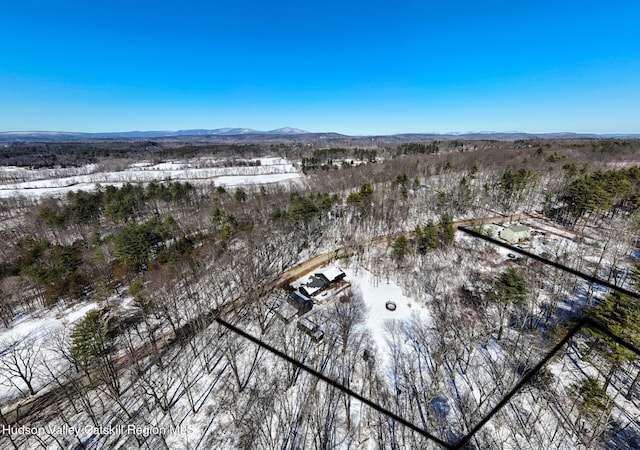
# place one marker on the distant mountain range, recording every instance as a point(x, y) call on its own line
point(246, 135)
point(65, 135)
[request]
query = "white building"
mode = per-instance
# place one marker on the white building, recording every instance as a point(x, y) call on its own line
point(515, 233)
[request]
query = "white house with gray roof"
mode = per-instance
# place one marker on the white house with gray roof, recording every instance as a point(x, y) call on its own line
point(515, 234)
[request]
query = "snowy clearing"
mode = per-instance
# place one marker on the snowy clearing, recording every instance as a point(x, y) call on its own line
point(376, 292)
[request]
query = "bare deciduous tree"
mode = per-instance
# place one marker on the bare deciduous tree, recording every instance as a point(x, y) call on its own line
point(20, 359)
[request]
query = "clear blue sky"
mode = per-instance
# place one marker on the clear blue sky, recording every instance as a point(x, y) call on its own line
point(355, 67)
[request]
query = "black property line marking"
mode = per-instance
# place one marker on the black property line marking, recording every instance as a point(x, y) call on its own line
point(557, 265)
point(334, 384)
point(595, 325)
point(584, 322)
point(525, 379)
point(587, 322)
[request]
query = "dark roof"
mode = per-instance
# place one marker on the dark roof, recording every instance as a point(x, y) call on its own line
point(316, 281)
point(323, 277)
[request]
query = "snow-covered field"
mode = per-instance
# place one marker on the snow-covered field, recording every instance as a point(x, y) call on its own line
point(376, 292)
point(56, 182)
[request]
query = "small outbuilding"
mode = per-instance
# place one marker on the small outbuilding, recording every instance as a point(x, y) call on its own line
point(286, 312)
point(516, 233)
point(310, 328)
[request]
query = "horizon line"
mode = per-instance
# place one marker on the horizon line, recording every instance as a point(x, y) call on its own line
point(297, 131)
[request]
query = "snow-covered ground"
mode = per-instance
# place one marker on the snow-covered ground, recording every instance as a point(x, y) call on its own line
point(55, 182)
point(33, 338)
point(40, 327)
point(573, 369)
point(13, 174)
point(376, 292)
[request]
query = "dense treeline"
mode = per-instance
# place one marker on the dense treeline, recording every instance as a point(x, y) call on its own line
point(56, 268)
point(304, 208)
point(119, 204)
point(608, 191)
point(99, 257)
point(75, 154)
point(72, 272)
point(134, 243)
point(413, 148)
point(335, 158)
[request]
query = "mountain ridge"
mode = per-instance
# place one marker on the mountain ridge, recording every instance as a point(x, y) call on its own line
point(288, 133)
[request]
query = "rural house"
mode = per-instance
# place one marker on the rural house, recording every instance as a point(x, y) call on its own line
point(515, 233)
point(320, 281)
